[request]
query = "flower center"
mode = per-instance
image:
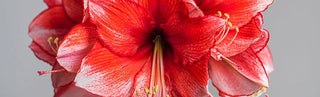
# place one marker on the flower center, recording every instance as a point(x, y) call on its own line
point(157, 82)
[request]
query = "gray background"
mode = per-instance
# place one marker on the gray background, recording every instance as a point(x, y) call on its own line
point(295, 44)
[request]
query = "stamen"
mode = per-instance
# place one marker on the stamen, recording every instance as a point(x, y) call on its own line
point(138, 92)
point(234, 37)
point(49, 39)
point(252, 95)
point(227, 15)
point(147, 91)
point(52, 71)
point(264, 89)
point(157, 77)
point(219, 14)
point(229, 24)
point(167, 96)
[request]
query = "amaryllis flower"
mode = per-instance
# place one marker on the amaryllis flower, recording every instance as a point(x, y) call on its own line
point(47, 31)
point(240, 61)
point(155, 47)
point(143, 48)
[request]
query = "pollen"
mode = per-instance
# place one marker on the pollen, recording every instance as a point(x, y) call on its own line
point(264, 89)
point(147, 91)
point(56, 40)
point(219, 14)
point(229, 24)
point(49, 39)
point(237, 29)
point(138, 92)
point(227, 15)
point(167, 96)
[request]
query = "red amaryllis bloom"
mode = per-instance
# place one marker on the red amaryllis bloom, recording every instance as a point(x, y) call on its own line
point(143, 48)
point(47, 30)
point(240, 61)
point(162, 47)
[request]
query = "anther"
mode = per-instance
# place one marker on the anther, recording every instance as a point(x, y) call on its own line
point(167, 96)
point(258, 92)
point(229, 24)
point(264, 89)
point(56, 40)
point(155, 89)
point(219, 14)
point(147, 91)
point(227, 15)
point(49, 39)
point(138, 92)
point(237, 29)
point(252, 95)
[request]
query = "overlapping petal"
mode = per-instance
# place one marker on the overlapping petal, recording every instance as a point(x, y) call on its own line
point(74, 9)
point(42, 54)
point(76, 45)
point(249, 65)
point(161, 10)
point(237, 42)
point(266, 58)
point(61, 78)
point(54, 23)
point(123, 26)
point(228, 80)
point(186, 80)
point(71, 90)
point(191, 39)
point(107, 74)
point(240, 11)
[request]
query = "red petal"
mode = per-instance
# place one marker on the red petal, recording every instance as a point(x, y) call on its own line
point(266, 58)
point(52, 22)
point(193, 9)
point(235, 43)
point(52, 3)
point(161, 10)
point(123, 26)
point(71, 90)
point(186, 80)
point(75, 46)
point(191, 39)
point(107, 74)
point(41, 54)
point(240, 11)
point(249, 65)
point(61, 78)
point(74, 9)
point(261, 42)
point(228, 80)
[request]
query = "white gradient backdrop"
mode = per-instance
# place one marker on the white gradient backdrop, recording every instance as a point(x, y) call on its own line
point(295, 44)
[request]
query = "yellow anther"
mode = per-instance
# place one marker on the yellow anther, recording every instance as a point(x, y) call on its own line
point(147, 91)
point(167, 95)
point(229, 24)
point(56, 40)
point(252, 95)
point(49, 39)
point(264, 89)
point(227, 15)
point(138, 92)
point(219, 14)
point(258, 92)
point(155, 89)
point(237, 29)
